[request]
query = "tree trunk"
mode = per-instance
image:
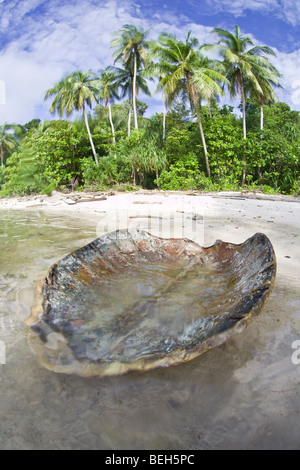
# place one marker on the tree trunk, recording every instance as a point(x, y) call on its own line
point(134, 176)
point(111, 122)
point(157, 176)
point(129, 119)
point(244, 117)
point(203, 142)
point(261, 116)
point(261, 128)
point(90, 135)
point(194, 102)
point(164, 116)
point(2, 155)
point(244, 129)
point(134, 92)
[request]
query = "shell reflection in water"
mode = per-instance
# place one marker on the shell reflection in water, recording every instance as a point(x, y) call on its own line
point(133, 301)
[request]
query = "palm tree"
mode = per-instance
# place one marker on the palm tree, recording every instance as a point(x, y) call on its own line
point(245, 65)
point(131, 50)
point(182, 68)
point(268, 78)
point(158, 70)
point(125, 80)
point(74, 93)
point(108, 85)
point(7, 142)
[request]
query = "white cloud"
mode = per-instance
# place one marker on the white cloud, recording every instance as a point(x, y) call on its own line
point(44, 47)
point(289, 65)
point(64, 41)
point(288, 10)
point(26, 81)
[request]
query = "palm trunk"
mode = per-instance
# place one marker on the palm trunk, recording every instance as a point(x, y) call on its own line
point(134, 176)
point(203, 142)
point(261, 128)
point(129, 120)
point(134, 92)
point(90, 135)
point(244, 118)
point(164, 116)
point(244, 129)
point(111, 123)
point(2, 155)
point(194, 102)
point(157, 176)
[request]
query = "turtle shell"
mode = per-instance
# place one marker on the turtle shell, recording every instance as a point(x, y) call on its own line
point(133, 301)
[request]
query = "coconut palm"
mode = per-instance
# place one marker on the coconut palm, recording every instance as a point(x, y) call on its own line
point(131, 50)
point(108, 86)
point(7, 141)
point(183, 69)
point(268, 79)
point(125, 80)
point(158, 70)
point(245, 66)
point(74, 93)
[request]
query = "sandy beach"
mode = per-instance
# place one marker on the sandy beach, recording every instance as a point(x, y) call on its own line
point(204, 218)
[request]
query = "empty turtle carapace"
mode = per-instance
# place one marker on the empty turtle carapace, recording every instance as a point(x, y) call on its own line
point(133, 301)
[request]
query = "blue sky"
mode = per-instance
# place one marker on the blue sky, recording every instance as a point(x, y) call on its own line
point(42, 40)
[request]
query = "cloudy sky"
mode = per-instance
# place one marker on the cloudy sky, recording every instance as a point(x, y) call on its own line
point(42, 40)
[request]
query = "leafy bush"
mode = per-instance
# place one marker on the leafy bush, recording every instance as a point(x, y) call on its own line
point(57, 154)
point(184, 175)
point(112, 170)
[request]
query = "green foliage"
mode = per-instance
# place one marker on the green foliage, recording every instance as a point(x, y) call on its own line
point(19, 178)
point(273, 163)
point(168, 151)
point(53, 156)
point(274, 160)
point(57, 154)
point(226, 146)
point(181, 141)
point(184, 175)
point(112, 170)
point(1, 176)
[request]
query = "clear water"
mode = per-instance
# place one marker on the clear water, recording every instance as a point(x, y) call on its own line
point(244, 394)
point(147, 308)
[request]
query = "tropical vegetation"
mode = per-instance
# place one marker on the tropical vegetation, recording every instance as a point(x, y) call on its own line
point(196, 142)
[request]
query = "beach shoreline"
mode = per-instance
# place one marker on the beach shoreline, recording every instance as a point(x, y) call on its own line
point(203, 217)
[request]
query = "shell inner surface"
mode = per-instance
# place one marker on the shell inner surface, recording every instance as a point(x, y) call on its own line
point(131, 301)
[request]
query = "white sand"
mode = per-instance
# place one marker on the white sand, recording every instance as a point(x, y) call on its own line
point(232, 217)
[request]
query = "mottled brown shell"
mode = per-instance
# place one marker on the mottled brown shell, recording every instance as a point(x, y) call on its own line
point(60, 335)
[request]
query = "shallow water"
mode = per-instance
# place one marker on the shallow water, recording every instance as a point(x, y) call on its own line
point(244, 394)
point(149, 308)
